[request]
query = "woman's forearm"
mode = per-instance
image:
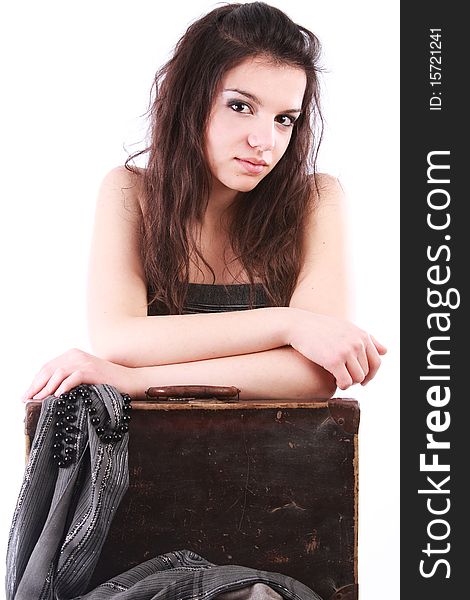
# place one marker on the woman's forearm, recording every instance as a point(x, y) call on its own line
point(165, 340)
point(279, 374)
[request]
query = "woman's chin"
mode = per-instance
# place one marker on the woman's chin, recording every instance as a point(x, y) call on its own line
point(238, 184)
point(244, 184)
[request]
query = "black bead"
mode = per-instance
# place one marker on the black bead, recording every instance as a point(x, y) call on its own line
point(61, 403)
point(100, 430)
point(69, 439)
point(69, 451)
point(70, 408)
point(107, 438)
point(126, 418)
point(87, 401)
point(91, 410)
point(57, 446)
point(58, 424)
point(70, 418)
point(95, 421)
point(61, 464)
point(127, 407)
point(64, 396)
point(58, 435)
point(69, 429)
point(60, 413)
point(123, 428)
point(117, 437)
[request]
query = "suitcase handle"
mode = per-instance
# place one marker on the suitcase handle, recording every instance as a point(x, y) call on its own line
point(186, 393)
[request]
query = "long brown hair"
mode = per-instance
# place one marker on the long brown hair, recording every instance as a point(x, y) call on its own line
point(267, 225)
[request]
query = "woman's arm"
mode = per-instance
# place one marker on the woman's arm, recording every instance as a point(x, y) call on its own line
point(169, 339)
point(324, 287)
point(280, 374)
point(276, 374)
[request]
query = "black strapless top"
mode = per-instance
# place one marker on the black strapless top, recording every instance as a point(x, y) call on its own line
point(208, 298)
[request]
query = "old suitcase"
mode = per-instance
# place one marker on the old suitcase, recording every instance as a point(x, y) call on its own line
point(266, 485)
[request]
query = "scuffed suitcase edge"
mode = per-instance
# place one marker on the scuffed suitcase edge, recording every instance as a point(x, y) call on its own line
point(346, 413)
point(348, 592)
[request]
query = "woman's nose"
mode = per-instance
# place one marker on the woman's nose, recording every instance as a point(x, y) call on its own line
point(262, 137)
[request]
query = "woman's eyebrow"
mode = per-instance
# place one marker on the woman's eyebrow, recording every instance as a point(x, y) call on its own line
point(258, 101)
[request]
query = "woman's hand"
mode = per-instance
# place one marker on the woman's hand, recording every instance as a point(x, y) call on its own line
point(73, 368)
point(350, 354)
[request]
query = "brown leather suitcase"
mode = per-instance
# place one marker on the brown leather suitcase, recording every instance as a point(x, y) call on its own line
point(268, 485)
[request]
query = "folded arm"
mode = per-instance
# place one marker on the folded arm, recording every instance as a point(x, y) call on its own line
point(280, 374)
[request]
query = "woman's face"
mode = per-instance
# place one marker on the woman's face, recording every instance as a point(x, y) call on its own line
point(251, 122)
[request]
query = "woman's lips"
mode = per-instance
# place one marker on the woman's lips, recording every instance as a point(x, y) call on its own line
point(250, 167)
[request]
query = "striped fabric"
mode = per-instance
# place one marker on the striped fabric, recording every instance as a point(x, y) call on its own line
point(206, 298)
point(63, 515)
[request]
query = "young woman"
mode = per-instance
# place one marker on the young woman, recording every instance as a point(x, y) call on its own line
point(223, 261)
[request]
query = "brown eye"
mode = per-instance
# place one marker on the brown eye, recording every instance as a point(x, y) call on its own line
point(286, 120)
point(240, 107)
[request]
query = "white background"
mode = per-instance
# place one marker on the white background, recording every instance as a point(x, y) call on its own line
point(76, 78)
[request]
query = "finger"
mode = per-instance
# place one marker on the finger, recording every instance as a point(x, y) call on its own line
point(54, 381)
point(355, 370)
point(374, 362)
point(38, 383)
point(381, 349)
point(44, 375)
point(74, 379)
point(363, 361)
point(343, 377)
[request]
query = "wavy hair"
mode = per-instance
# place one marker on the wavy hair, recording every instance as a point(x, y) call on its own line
point(268, 221)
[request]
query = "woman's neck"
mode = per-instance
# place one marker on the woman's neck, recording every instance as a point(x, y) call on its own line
point(221, 199)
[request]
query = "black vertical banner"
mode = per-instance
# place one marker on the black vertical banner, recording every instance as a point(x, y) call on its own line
point(435, 328)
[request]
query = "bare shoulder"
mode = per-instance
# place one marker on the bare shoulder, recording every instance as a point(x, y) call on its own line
point(122, 177)
point(328, 209)
point(120, 190)
point(327, 190)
